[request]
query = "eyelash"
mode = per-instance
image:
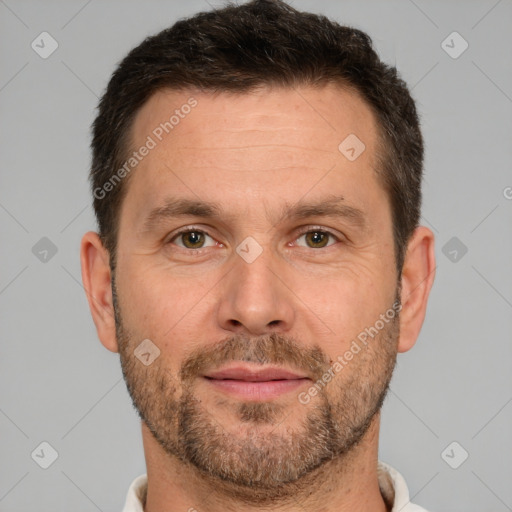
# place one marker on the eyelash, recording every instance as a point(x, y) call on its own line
point(306, 230)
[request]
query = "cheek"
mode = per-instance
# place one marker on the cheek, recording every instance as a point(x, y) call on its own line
point(158, 306)
point(350, 302)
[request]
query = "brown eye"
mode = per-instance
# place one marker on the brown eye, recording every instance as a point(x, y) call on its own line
point(192, 239)
point(316, 239)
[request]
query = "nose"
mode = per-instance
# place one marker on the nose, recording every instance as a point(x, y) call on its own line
point(255, 297)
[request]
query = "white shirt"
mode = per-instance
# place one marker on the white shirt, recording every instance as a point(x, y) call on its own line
point(391, 482)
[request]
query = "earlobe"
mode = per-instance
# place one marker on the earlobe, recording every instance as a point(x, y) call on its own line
point(417, 278)
point(96, 278)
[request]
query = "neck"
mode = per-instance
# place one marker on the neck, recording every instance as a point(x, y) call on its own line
point(346, 483)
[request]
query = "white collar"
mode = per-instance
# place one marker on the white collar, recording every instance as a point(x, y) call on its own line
point(391, 483)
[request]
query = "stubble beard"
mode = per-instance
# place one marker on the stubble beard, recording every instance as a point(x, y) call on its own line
point(266, 459)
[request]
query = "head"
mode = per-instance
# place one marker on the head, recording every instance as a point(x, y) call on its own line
point(257, 183)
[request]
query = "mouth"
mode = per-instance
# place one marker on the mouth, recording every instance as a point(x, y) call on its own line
point(255, 383)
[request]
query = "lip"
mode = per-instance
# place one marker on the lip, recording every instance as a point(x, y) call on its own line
point(254, 374)
point(255, 383)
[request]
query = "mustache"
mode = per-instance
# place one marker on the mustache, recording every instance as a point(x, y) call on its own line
point(270, 348)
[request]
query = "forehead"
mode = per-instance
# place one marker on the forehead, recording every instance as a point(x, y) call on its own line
point(267, 143)
point(317, 118)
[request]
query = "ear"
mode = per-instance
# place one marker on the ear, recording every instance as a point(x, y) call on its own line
point(96, 278)
point(417, 278)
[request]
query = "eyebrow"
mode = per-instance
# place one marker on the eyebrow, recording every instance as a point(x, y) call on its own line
point(330, 206)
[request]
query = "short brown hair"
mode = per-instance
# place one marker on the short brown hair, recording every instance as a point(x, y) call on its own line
point(239, 48)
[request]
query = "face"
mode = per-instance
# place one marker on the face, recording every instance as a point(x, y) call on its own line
point(258, 259)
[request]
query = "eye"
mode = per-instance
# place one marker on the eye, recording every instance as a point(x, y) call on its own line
point(317, 238)
point(192, 239)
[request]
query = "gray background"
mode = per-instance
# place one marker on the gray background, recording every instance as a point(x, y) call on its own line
point(57, 382)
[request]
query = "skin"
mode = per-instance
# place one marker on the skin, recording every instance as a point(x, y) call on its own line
point(300, 303)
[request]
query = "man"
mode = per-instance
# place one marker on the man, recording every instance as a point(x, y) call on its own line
point(259, 264)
